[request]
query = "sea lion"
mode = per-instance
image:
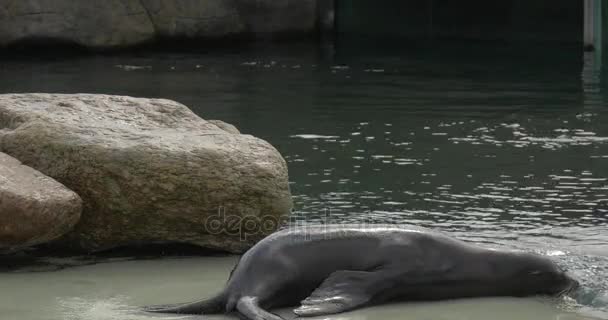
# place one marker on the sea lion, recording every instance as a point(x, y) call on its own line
point(329, 269)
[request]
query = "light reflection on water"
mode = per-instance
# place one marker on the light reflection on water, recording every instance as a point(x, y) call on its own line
point(501, 146)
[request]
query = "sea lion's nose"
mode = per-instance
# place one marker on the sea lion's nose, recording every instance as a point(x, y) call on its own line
point(573, 283)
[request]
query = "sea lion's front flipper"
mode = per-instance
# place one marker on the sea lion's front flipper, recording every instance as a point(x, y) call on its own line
point(249, 308)
point(342, 291)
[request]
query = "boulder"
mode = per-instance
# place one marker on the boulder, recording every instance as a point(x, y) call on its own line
point(148, 170)
point(34, 208)
point(122, 23)
point(225, 126)
point(91, 23)
point(270, 17)
point(220, 18)
point(194, 18)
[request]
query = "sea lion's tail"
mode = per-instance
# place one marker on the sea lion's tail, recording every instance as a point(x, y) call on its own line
point(216, 304)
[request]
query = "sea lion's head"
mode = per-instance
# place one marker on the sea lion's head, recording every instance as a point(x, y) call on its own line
point(527, 273)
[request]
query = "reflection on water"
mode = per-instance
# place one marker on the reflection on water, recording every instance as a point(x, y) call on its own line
point(498, 145)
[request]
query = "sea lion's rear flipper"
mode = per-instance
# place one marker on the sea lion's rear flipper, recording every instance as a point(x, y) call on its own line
point(207, 306)
point(342, 291)
point(250, 309)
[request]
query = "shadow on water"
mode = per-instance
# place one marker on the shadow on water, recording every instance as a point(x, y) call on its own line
point(44, 259)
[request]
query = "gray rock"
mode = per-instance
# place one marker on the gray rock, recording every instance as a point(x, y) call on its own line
point(268, 17)
point(123, 23)
point(34, 208)
point(91, 23)
point(220, 18)
point(194, 18)
point(148, 170)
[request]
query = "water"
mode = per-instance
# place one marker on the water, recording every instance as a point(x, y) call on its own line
point(502, 146)
point(113, 290)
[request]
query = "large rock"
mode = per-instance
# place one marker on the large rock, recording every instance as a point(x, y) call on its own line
point(269, 17)
point(90, 23)
point(220, 18)
point(194, 18)
point(148, 170)
point(34, 208)
point(123, 23)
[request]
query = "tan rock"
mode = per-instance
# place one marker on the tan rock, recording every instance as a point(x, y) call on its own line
point(225, 126)
point(34, 208)
point(148, 170)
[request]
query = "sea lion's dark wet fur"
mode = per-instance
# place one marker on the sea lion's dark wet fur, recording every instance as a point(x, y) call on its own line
point(334, 268)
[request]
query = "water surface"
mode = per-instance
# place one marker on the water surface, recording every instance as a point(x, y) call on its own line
point(114, 290)
point(500, 145)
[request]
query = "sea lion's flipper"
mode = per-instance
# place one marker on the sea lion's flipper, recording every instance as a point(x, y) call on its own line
point(207, 306)
point(341, 291)
point(250, 309)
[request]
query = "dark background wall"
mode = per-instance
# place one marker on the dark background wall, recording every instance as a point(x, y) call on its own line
point(538, 20)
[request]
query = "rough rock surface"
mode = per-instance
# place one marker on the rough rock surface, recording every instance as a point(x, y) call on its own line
point(34, 208)
point(193, 18)
point(148, 170)
point(225, 126)
point(278, 17)
point(123, 23)
point(90, 23)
